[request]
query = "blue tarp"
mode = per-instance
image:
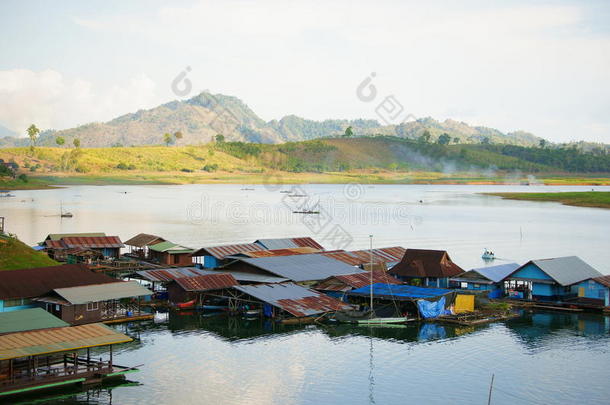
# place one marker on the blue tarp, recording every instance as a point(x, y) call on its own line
point(393, 291)
point(431, 309)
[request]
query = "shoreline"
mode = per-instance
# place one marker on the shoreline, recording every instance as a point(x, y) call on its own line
point(589, 199)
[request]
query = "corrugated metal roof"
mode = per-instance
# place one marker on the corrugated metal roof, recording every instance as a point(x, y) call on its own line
point(565, 270)
point(603, 280)
point(294, 299)
point(339, 283)
point(301, 267)
point(220, 252)
point(144, 239)
point(29, 283)
point(280, 252)
point(171, 273)
point(248, 277)
point(54, 244)
point(96, 242)
point(37, 342)
point(207, 282)
point(360, 257)
point(102, 292)
point(58, 236)
point(495, 273)
point(400, 292)
point(170, 247)
point(288, 243)
point(28, 319)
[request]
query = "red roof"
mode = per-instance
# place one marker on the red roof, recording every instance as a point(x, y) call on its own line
point(93, 242)
point(220, 252)
point(30, 283)
point(321, 303)
point(54, 244)
point(358, 257)
point(357, 280)
point(281, 252)
point(426, 263)
point(207, 282)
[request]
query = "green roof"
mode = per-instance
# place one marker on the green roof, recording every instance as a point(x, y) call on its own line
point(102, 292)
point(171, 248)
point(28, 319)
point(58, 236)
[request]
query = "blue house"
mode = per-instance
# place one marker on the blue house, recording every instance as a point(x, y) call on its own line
point(489, 278)
point(549, 279)
point(595, 289)
point(214, 256)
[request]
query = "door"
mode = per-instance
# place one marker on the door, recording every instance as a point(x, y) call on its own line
point(581, 291)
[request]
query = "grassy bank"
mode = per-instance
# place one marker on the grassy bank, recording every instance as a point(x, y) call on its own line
point(597, 199)
point(15, 254)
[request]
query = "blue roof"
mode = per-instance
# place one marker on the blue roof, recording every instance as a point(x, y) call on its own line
point(497, 273)
point(393, 291)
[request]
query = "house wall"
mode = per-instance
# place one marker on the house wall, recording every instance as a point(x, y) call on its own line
point(176, 294)
point(78, 314)
point(210, 262)
point(4, 308)
point(531, 271)
point(592, 289)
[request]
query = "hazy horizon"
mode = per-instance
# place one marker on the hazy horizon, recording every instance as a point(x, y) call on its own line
point(541, 68)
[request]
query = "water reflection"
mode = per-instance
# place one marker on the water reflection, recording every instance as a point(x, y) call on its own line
point(231, 360)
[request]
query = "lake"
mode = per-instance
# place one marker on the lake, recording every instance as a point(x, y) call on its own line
point(538, 358)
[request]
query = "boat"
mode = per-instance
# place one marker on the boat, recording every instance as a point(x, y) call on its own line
point(187, 305)
point(285, 191)
point(6, 193)
point(64, 214)
point(214, 307)
point(383, 321)
point(309, 212)
point(297, 195)
point(251, 313)
point(488, 255)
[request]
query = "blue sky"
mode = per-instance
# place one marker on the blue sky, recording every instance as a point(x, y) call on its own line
point(542, 67)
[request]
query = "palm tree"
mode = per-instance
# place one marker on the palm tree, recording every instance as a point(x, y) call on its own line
point(33, 132)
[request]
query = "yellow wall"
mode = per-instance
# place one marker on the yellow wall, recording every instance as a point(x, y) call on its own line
point(464, 303)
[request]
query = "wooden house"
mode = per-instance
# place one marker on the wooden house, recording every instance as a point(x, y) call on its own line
point(431, 268)
point(139, 244)
point(195, 287)
point(490, 278)
point(169, 253)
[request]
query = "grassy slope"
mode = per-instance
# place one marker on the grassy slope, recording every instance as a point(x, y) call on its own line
point(15, 254)
point(599, 199)
point(337, 160)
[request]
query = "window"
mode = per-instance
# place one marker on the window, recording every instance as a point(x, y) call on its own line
point(463, 285)
point(93, 306)
point(16, 302)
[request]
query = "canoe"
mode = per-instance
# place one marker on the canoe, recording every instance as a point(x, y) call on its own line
point(187, 304)
point(382, 321)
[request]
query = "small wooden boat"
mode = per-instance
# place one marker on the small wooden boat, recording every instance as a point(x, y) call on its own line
point(297, 195)
point(285, 191)
point(187, 305)
point(251, 313)
point(63, 214)
point(214, 307)
point(383, 321)
point(307, 212)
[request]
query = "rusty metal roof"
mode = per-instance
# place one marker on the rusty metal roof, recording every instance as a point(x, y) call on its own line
point(54, 340)
point(95, 242)
point(220, 252)
point(58, 236)
point(288, 243)
point(144, 239)
point(29, 283)
point(54, 244)
point(280, 252)
point(207, 282)
point(294, 299)
point(171, 273)
point(360, 257)
point(357, 280)
point(603, 280)
point(426, 263)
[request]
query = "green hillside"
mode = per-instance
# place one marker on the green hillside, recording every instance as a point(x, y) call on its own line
point(15, 254)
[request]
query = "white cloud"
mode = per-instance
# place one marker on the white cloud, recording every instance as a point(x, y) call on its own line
point(52, 101)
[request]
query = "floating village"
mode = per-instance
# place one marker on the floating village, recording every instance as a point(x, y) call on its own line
point(54, 320)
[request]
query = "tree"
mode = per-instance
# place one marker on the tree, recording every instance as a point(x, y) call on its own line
point(542, 143)
point(33, 133)
point(60, 140)
point(220, 138)
point(76, 143)
point(456, 140)
point(444, 139)
point(177, 135)
point(348, 132)
point(486, 140)
point(425, 137)
point(167, 139)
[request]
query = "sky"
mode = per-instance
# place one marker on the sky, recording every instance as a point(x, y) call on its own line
point(537, 66)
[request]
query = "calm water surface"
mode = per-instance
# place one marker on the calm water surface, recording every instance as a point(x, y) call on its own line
point(539, 358)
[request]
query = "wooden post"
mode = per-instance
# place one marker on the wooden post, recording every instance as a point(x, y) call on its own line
point(491, 386)
point(110, 356)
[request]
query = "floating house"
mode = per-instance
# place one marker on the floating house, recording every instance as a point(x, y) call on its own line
point(18, 288)
point(96, 303)
point(169, 253)
point(287, 300)
point(276, 252)
point(289, 243)
point(490, 278)
point(28, 319)
point(56, 356)
point(306, 268)
point(432, 268)
point(159, 278)
point(139, 244)
point(249, 278)
point(387, 257)
point(195, 287)
point(214, 256)
point(549, 279)
point(594, 291)
point(337, 286)
point(58, 249)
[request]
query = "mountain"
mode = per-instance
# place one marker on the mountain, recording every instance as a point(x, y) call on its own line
point(4, 131)
point(202, 117)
